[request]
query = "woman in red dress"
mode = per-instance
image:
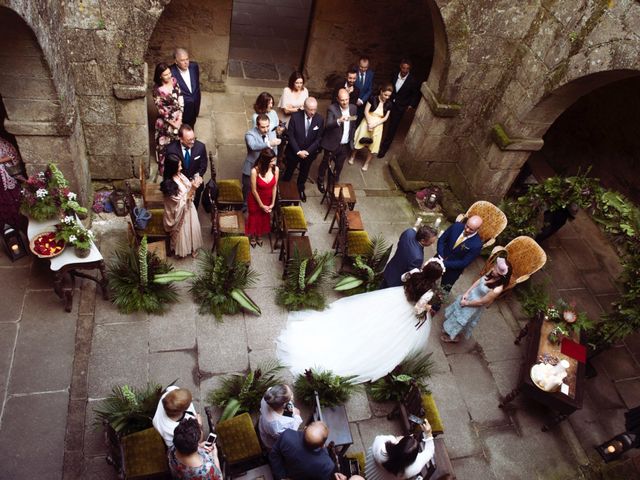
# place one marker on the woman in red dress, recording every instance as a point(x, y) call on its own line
point(264, 183)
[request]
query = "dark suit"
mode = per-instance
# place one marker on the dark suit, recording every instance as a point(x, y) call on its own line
point(331, 140)
point(409, 255)
point(366, 87)
point(290, 458)
point(353, 96)
point(198, 163)
point(301, 140)
point(191, 94)
point(457, 259)
point(407, 96)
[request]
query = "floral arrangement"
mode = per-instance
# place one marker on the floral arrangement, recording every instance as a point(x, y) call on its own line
point(568, 318)
point(74, 233)
point(46, 194)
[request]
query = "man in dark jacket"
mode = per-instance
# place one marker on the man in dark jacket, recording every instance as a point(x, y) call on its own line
point(192, 154)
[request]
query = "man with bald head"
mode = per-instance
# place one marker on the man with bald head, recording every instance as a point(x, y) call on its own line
point(305, 132)
point(458, 246)
point(301, 454)
point(187, 73)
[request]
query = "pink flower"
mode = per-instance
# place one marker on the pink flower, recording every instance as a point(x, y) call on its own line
point(569, 316)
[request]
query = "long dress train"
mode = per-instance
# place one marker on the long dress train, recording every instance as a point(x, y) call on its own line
point(365, 335)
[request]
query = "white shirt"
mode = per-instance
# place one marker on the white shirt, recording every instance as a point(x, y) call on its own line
point(272, 424)
point(379, 454)
point(186, 76)
point(400, 81)
point(163, 424)
point(345, 127)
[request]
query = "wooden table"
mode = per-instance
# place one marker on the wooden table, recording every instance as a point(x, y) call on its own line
point(338, 423)
point(69, 262)
point(561, 404)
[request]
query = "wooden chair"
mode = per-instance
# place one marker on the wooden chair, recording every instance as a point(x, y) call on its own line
point(333, 190)
point(525, 256)
point(293, 223)
point(140, 455)
point(289, 194)
point(244, 248)
point(155, 227)
point(229, 191)
point(494, 220)
point(292, 244)
point(353, 219)
point(227, 222)
point(151, 194)
point(349, 243)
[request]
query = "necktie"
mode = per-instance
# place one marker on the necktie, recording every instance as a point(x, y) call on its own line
point(187, 159)
point(307, 126)
point(461, 239)
point(264, 138)
point(361, 78)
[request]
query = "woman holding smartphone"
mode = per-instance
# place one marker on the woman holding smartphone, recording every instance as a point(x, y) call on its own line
point(189, 458)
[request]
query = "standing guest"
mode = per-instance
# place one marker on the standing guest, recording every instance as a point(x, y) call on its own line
point(293, 97)
point(458, 246)
point(406, 95)
point(392, 457)
point(277, 414)
point(264, 104)
point(193, 156)
point(256, 139)
point(409, 254)
point(174, 405)
point(170, 103)
point(188, 76)
point(365, 83)
point(305, 132)
point(189, 458)
point(180, 216)
point(349, 84)
point(264, 184)
point(10, 162)
point(369, 133)
point(338, 136)
point(463, 315)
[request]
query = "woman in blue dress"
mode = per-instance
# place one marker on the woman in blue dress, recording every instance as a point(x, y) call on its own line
point(463, 315)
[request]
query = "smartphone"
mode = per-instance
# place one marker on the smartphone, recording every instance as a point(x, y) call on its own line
point(211, 440)
point(416, 420)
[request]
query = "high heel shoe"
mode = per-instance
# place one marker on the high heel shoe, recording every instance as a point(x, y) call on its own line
point(351, 160)
point(252, 242)
point(259, 242)
point(365, 167)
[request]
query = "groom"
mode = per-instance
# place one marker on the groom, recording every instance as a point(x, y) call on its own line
point(409, 254)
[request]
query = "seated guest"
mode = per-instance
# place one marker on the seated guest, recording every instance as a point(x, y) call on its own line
point(188, 458)
point(174, 405)
point(392, 457)
point(277, 414)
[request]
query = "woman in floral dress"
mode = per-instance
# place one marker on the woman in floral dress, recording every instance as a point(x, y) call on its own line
point(170, 104)
point(189, 459)
point(10, 191)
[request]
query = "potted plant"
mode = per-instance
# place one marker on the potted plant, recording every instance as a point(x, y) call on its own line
point(332, 389)
point(367, 270)
point(396, 384)
point(241, 393)
point(75, 234)
point(219, 285)
point(302, 288)
point(140, 280)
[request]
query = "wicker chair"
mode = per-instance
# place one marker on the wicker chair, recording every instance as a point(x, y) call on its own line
point(494, 220)
point(525, 256)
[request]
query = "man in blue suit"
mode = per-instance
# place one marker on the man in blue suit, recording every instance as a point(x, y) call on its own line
point(364, 82)
point(409, 254)
point(188, 76)
point(258, 138)
point(458, 246)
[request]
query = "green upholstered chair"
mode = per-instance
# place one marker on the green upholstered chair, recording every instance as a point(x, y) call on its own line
point(244, 250)
point(238, 439)
point(155, 227)
point(293, 219)
point(144, 455)
point(432, 414)
point(358, 243)
point(229, 194)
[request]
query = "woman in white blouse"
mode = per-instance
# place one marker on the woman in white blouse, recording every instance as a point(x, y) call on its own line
point(293, 96)
point(277, 414)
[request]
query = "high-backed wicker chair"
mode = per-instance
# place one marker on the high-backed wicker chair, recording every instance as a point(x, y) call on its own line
point(494, 220)
point(333, 189)
point(525, 256)
point(155, 227)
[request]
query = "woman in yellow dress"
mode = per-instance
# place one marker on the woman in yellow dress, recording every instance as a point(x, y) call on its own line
point(369, 132)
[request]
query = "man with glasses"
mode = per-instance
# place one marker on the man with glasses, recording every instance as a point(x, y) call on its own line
point(193, 155)
point(458, 246)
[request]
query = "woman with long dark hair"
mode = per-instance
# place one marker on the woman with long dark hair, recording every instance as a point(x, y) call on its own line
point(378, 329)
point(264, 104)
point(170, 104)
point(260, 202)
point(180, 216)
point(463, 315)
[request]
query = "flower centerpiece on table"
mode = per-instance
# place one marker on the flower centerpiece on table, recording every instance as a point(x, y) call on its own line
point(567, 318)
point(75, 234)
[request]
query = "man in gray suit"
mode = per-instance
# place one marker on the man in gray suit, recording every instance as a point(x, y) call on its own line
point(258, 138)
point(338, 136)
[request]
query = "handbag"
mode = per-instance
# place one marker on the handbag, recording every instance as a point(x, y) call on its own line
point(209, 195)
point(142, 216)
point(366, 140)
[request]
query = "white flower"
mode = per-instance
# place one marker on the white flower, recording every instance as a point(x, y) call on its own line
point(69, 219)
point(71, 196)
point(90, 234)
point(42, 192)
point(72, 238)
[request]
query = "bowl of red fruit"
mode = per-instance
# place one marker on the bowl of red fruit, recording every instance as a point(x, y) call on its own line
point(45, 245)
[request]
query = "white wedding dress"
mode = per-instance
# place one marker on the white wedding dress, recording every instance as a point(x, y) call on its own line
point(365, 335)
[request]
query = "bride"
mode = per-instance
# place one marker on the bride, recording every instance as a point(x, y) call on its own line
point(365, 335)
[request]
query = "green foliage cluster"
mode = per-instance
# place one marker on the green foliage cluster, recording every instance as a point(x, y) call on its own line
point(302, 287)
point(219, 285)
point(396, 384)
point(332, 389)
point(241, 393)
point(367, 270)
point(128, 409)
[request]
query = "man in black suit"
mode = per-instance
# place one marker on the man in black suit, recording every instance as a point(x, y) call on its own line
point(305, 131)
point(193, 155)
point(338, 136)
point(188, 76)
point(406, 95)
point(349, 84)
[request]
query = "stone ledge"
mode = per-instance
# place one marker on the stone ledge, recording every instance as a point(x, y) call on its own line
point(508, 143)
point(37, 128)
point(129, 92)
point(438, 108)
point(397, 174)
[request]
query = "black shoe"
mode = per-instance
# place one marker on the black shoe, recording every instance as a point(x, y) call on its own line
point(382, 153)
point(303, 196)
point(320, 185)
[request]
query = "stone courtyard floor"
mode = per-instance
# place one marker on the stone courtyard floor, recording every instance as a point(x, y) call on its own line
point(55, 366)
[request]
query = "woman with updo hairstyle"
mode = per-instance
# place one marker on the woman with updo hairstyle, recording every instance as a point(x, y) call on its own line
point(293, 96)
point(189, 458)
point(277, 413)
point(170, 104)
